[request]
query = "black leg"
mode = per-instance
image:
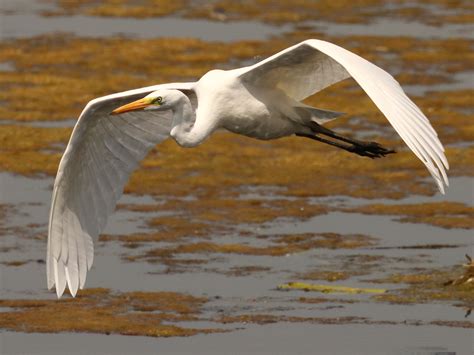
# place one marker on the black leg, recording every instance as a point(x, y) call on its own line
point(366, 149)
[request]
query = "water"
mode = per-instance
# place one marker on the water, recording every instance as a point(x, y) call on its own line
point(23, 19)
point(393, 27)
point(27, 25)
point(288, 338)
point(31, 196)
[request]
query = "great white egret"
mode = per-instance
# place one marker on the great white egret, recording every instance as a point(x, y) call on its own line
point(261, 101)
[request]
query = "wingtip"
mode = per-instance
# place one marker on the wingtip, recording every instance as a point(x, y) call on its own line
point(441, 187)
point(59, 293)
point(71, 286)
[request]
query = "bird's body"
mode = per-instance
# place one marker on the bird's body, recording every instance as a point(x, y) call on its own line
point(261, 101)
point(245, 113)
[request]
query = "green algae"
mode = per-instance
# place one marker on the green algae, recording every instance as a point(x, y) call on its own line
point(303, 286)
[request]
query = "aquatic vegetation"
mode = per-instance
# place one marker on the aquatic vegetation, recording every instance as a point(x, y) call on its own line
point(5, 210)
point(240, 271)
point(118, 8)
point(54, 76)
point(348, 266)
point(303, 286)
point(440, 214)
point(327, 275)
point(332, 11)
point(68, 71)
point(31, 150)
point(279, 246)
point(270, 318)
point(227, 210)
point(166, 229)
point(14, 263)
point(278, 12)
point(431, 286)
point(290, 163)
point(317, 300)
point(467, 277)
point(102, 311)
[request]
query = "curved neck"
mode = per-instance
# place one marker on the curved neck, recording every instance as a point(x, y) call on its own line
point(186, 131)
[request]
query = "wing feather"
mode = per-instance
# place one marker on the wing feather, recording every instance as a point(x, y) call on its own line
point(102, 153)
point(313, 65)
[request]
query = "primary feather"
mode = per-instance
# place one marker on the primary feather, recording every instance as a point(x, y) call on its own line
point(102, 153)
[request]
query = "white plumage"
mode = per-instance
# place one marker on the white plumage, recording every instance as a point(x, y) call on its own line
point(260, 101)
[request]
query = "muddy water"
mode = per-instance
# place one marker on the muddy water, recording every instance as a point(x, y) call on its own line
point(231, 293)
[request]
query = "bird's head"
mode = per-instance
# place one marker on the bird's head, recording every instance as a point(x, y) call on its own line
point(157, 100)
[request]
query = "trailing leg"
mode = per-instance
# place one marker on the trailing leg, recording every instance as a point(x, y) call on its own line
point(366, 149)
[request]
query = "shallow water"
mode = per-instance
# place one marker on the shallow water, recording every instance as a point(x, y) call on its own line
point(285, 339)
point(19, 20)
point(254, 293)
point(460, 81)
point(27, 25)
point(391, 27)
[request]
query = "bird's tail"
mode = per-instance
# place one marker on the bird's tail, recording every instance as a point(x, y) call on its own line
point(317, 115)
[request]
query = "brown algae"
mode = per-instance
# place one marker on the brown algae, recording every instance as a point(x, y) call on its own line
point(432, 286)
point(280, 246)
point(153, 314)
point(31, 150)
point(117, 8)
point(68, 71)
point(330, 276)
point(440, 214)
point(292, 165)
point(272, 11)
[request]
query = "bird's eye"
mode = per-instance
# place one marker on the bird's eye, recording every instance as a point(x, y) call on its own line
point(158, 100)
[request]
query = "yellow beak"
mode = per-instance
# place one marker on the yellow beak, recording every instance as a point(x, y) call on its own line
point(132, 106)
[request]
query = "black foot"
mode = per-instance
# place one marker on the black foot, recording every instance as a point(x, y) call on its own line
point(366, 149)
point(369, 149)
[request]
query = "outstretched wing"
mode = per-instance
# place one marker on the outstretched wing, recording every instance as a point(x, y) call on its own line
point(313, 65)
point(101, 154)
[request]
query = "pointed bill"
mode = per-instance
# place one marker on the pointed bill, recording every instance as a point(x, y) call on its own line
point(133, 106)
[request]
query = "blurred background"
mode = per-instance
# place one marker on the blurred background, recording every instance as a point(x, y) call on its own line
point(241, 246)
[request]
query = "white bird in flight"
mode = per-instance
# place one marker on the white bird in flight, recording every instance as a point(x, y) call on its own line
point(262, 101)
